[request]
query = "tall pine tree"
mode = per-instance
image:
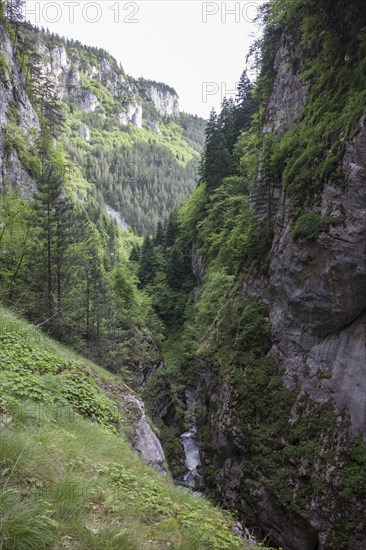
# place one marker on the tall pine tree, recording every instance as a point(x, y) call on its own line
point(216, 160)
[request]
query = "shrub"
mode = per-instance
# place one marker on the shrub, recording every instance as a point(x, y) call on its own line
point(308, 226)
point(4, 69)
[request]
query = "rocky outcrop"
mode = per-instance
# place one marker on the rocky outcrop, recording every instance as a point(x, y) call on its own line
point(59, 65)
point(144, 439)
point(165, 102)
point(13, 94)
point(87, 100)
point(112, 213)
point(70, 75)
point(289, 94)
point(136, 424)
point(132, 114)
point(319, 295)
point(84, 132)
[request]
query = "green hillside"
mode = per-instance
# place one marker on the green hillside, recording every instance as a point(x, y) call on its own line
point(69, 477)
point(141, 157)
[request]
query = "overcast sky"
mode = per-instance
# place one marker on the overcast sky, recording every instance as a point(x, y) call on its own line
point(198, 48)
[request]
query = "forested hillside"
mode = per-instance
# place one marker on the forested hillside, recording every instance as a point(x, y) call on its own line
point(84, 146)
point(126, 137)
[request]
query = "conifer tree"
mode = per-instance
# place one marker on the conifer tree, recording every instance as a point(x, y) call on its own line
point(148, 262)
point(226, 122)
point(216, 161)
point(135, 254)
point(159, 236)
point(50, 210)
point(172, 229)
point(244, 89)
point(245, 105)
point(14, 11)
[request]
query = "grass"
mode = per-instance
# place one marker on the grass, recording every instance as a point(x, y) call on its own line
point(69, 482)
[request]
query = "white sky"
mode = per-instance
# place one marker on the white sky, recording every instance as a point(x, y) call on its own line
point(193, 46)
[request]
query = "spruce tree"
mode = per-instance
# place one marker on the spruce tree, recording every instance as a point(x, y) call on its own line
point(244, 89)
point(226, 121)
point(148, 262)
point(216, 162)
point(245, 105)
point(49, 208)
point(14, 11)
point(135, 254)
point(159, 235)
point(172, 230)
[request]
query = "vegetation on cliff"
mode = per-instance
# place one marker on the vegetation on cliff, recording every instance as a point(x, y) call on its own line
point(275, 437)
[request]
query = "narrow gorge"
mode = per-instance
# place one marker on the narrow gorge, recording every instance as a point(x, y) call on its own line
point(214, 270)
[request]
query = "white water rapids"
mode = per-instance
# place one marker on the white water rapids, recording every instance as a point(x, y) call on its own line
point(190, 444)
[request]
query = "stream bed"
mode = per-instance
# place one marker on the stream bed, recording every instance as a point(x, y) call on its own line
point(192, 477)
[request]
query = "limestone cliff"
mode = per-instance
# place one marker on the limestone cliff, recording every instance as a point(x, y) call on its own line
point(165, 101)
point(13, 95)
point(74, 74)
point(276, 440)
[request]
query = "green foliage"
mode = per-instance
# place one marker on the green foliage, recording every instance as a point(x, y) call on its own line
point(65, 478)
point(173, 449)
point(193, 130)
point(28, 371)
point(332, 63)
point(354, 475)
point(216, 161)
point(191, 213)
point(67, 269)
point(137, 179)
point(4, 69)
point(212, 298)
point(307, 226)
point(25, 524)
point(16, 140)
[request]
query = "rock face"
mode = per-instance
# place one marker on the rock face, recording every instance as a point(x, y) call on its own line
point(316, 297)
point(72, 77)
point(145, 441)
point(166, 103)
point(319, 294)
point(137, 427)
point(116, 216)
point(132, 114)
point(59, 64)
point(88, 102)
point(289, 94)
point(84, 132)
point(12, 91)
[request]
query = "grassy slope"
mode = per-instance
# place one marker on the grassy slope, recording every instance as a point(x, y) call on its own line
point(70, 482)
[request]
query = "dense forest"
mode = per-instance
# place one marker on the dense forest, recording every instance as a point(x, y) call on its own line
point(250, 293)
point(140, 157)
point(64, 260)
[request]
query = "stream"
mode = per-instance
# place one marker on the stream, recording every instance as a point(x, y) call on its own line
point(192, 477)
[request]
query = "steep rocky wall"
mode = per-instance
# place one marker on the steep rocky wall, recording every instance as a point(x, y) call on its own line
point(69, 72)
point(13, 94)
point(316, 297)
point(319, 295)
point(166, 103)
